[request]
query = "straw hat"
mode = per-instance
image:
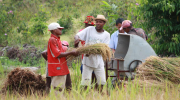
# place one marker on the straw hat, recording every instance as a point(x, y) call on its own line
point(101, 17)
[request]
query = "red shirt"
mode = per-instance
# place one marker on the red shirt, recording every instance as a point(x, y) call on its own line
point(56, 66)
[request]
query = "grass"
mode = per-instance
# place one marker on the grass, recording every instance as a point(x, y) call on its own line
point(130, 91)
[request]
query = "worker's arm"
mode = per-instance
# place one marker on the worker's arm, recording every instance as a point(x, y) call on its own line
point(44, 54)
point(76, 41)
point(56, 52)
point(65, 54)
point(80, 36)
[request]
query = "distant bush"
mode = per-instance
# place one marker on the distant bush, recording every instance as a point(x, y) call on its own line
point(39, 22)
point(39, 28)
point(23, 29)
point(66, 22)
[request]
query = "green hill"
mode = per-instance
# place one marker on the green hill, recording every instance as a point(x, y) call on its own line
point(25, 22)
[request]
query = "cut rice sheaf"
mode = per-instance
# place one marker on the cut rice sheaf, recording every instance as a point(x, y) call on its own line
point(99, 48)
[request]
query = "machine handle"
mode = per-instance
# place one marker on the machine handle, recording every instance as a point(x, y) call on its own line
point(135, 66)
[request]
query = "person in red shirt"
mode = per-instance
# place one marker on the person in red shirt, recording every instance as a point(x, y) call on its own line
point(65, 46)
point(57, 65)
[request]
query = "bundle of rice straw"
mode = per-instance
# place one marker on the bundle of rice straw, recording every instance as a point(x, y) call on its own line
point(158, 71)
point(99, 48)
point(24, 81)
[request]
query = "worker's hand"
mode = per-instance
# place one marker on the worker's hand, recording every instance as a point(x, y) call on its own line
point(121, 31)
point(76, 41)
point(75, 53)
point(87, 55)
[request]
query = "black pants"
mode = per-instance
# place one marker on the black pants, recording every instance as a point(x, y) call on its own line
point(68, 82)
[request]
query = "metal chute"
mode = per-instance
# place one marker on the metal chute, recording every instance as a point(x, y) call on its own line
point(131, 49)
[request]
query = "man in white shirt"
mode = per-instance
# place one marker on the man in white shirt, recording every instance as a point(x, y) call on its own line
point(92, 35)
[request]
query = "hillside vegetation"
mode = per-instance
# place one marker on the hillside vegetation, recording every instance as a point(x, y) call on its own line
point(25, 21)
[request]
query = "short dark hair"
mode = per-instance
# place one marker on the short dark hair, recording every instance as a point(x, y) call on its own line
point(119, 20)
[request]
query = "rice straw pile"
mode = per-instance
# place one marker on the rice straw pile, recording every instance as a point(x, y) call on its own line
point(99, 48)
point(24, 81)
point(159, 71)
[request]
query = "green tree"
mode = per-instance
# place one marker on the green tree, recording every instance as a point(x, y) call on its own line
point(114, 10)
point(161, 17)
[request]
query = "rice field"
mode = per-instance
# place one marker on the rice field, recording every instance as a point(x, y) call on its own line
point(132, 90)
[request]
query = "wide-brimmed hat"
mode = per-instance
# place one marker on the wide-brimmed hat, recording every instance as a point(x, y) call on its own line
point(90, 20)
point(101, 17)
point(54, 26)
point(125, 24)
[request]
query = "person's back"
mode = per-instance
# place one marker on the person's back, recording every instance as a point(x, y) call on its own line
point(138, 31)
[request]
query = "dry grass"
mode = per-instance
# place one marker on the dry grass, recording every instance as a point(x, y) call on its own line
point(129, 93)
point(23, 82)
point(159, 71)
point(132, 91)
point(99, 48)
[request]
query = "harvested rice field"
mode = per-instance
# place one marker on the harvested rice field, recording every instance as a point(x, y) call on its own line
point(156, 79)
